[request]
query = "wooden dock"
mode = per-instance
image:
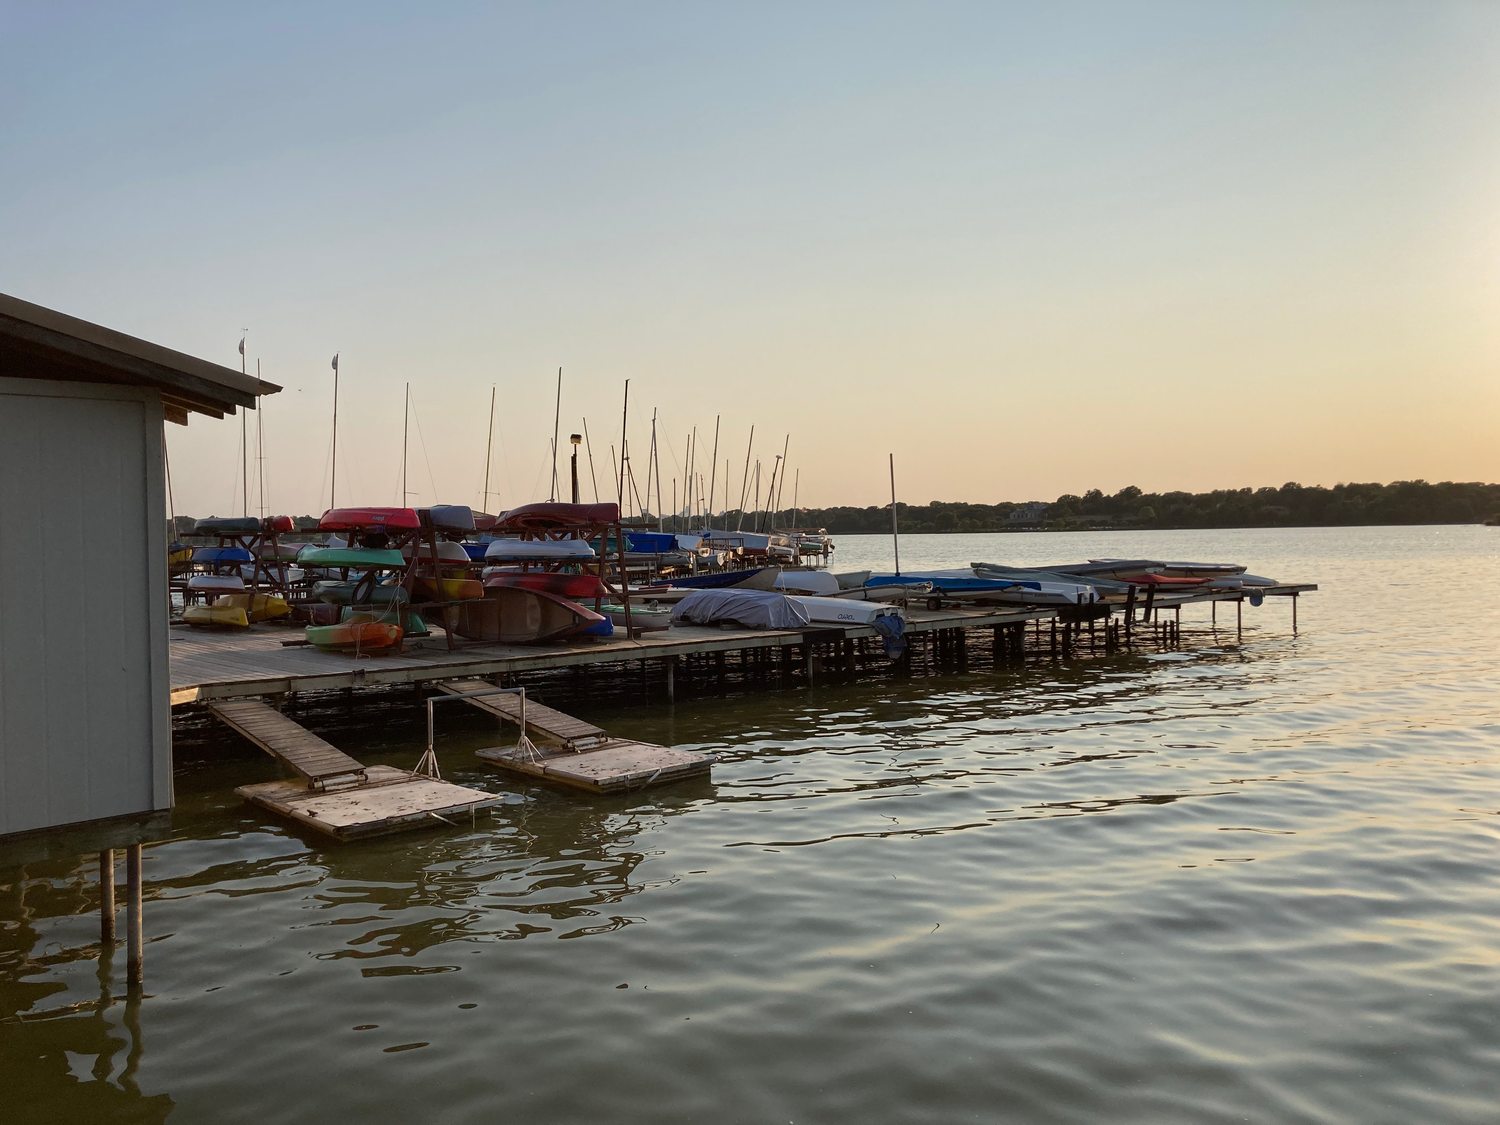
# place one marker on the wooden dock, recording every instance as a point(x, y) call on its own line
point(576, 753)
point(214, 665)
point(336, 794)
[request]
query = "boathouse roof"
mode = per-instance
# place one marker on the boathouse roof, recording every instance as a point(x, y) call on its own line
point(41, 343)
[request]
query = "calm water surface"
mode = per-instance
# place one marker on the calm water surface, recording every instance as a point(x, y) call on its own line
point(1256, 882)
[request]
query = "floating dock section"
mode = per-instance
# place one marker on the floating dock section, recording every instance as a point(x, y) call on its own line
point(560, 748)
point(336, 794)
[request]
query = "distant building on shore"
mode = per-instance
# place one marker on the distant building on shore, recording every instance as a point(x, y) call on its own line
point(1030, 512)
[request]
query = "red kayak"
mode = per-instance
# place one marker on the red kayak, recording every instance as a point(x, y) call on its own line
point(573, 586)
point(359, 519)
point(277, 523)
point(1159, 580)
point(556, 517)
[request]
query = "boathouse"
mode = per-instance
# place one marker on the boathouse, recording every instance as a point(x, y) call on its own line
point(85, 720)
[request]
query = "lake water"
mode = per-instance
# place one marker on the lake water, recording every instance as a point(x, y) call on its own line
point(1254, 883)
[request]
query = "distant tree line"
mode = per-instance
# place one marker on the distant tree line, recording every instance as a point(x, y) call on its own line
point(1291, 505)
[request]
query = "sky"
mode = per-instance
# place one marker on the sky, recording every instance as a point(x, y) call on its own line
point(1028, 249)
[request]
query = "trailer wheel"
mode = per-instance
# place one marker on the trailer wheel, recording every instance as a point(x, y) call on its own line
point(934, 604)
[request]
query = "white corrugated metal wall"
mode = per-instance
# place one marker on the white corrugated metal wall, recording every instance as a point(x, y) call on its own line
point(85, 725)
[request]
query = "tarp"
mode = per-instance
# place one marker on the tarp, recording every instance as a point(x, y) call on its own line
point(753, 609)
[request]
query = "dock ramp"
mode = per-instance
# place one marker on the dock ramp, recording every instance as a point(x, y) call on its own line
point(575, 752)
point(339, 795)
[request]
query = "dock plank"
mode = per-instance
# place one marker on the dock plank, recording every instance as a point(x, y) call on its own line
point(393, 801)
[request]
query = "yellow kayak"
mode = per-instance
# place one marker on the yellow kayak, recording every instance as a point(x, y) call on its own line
point(222, 616)
point(267, 607)
point(451, 589)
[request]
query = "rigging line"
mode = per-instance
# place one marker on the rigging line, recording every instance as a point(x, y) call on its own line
point(171, 503)
point(422, 440)
point(556, 418)
point(745, 480)
point(260, 441)
point(713, 475)
point(489, 442)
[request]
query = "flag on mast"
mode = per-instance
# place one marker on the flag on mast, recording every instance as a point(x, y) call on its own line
point(335, 361)
point(242, 345)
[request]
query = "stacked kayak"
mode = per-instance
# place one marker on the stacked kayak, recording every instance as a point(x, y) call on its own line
point(342, 558)
point(450, 589)
point(360, 633)
point(539, 550)
point(447, 553)
point(573, 586)
point(370, 519)
point(556, 517)
point(216, 616)
point(216, 584)
point(343, 592)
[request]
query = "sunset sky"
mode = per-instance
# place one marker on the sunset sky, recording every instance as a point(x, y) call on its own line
point(1030, 249)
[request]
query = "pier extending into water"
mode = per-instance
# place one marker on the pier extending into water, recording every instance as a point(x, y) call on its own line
point(258, 663)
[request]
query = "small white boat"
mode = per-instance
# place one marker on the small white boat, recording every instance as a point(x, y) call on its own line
point(538, 550)
point(845, 611)
point(643, 618)
point(216, 584)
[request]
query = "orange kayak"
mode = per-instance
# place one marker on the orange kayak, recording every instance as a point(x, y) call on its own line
point(361, 633)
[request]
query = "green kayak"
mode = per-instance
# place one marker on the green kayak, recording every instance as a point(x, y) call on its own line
point(366, 558)
point(414, 625)
point(334, 592)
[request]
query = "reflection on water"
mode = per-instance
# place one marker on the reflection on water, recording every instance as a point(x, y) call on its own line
point(1251, 883)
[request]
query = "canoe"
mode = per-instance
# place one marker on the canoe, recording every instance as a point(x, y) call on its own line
point(336, 592)
point(216, 584)
point(216, 616)
point(555, 517)
point(573, 586)
point(539, 550)
point(512, 616)
point(650, 542)
point(227, 525)
point(454, 517)
point(451, 589)
point(283, 552)
point(179, 555)
point(604, 627)
point(355, 519)
point(475, 551)
point(361, 633)
point(366, 558)
point(642, 618)
point(216, 556)
point(266, 607)
point(447, 552)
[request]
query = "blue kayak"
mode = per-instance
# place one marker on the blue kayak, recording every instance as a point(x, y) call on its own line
point(221, 556)
point(955, 580)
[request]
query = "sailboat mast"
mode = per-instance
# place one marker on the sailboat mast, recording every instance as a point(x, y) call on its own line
point(556, 418)
point(260, 444)
point(405, 427)
point(745, 480)
point(333, 476)
point(244, 445)
point(713, 476)
point(624, 452)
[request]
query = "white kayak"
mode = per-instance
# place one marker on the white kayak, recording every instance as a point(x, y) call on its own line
point(216, 584)
point(816, 582)
point(538, 550)
point(447, 552)
point(845, 611)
